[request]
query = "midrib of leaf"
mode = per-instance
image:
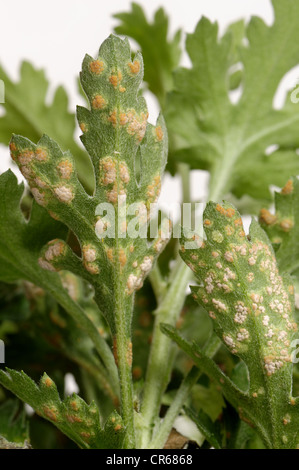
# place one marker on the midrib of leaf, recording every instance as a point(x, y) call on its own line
point(121, 318)
point(224, 167)
point(222, 172)
point(268, 131)
point(224, 162)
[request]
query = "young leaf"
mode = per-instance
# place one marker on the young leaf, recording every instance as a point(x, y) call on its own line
point(160, 54)
point(27, 113)
point(251, 305)
point(282, 227)
point(79, 421)
point(14, 430)
point(229, 139)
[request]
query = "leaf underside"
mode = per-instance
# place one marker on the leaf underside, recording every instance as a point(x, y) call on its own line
point(79, 421)
point(251, 306)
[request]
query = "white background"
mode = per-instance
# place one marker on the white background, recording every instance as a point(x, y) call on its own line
point(55, 35)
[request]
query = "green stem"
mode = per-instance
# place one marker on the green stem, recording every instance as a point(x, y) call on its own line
point(160, 363)
point(122, 335)
point(158, 283)
point(181, 397)
point(184, 172)
point(122, 345)
point(182, 394)
point(79, 316)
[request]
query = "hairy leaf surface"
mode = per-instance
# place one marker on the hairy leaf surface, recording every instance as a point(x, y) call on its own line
point(251, 305)
point(79, 421)
point(282, 226)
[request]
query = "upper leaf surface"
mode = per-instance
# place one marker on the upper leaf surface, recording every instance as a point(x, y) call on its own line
point(231, 139)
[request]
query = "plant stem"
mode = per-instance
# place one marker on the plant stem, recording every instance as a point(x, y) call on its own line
point(162, 353)
point(181, 397)
point(122, 348)
point(184, 172)
point(170, 305)
point(160, 365)
point(159, 285)
point(161, 437)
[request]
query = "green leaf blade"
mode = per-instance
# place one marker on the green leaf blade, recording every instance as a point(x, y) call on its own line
point(231, 140)
point(79, 421)
point(27, 113)
point(251, 305)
